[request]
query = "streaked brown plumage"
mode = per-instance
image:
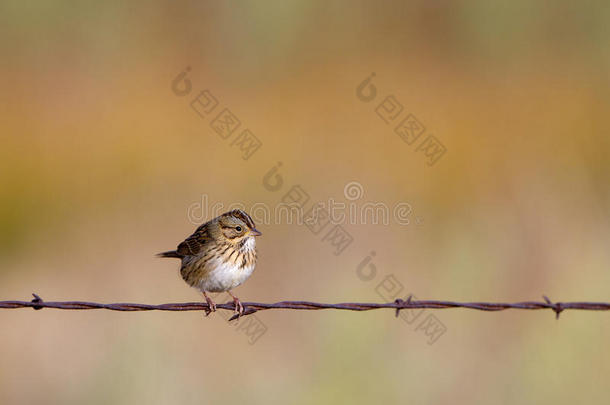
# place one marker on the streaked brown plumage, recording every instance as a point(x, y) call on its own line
point(219, 255)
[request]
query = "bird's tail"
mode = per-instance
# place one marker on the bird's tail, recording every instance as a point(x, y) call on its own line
point(171, 253)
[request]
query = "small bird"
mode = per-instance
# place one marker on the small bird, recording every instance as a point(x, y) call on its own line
point(219, 256)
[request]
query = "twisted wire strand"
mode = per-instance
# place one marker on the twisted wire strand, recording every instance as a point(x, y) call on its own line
point(252, 307)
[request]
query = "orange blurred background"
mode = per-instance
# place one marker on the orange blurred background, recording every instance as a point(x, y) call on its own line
point(102, 162)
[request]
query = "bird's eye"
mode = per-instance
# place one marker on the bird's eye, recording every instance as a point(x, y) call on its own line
point(238, 229)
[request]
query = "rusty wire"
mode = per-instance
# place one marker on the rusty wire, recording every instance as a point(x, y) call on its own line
point(252, 307)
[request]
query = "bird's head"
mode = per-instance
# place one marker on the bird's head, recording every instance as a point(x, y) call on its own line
point(236, 227)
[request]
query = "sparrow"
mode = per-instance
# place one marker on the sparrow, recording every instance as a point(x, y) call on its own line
point(219, 256)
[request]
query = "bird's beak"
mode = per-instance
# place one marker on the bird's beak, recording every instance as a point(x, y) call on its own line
point(255, 232)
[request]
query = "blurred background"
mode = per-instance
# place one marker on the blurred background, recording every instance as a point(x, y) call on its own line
point(103, 161)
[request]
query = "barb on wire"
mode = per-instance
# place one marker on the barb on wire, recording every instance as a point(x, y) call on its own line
point(251, 307)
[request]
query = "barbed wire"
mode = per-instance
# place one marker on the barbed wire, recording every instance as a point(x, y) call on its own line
point(252, 307)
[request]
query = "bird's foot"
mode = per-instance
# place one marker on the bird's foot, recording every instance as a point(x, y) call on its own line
point(239, 308)
point(211, 305)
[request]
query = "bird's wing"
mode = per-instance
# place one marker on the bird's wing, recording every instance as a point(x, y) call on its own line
point(194, 243)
